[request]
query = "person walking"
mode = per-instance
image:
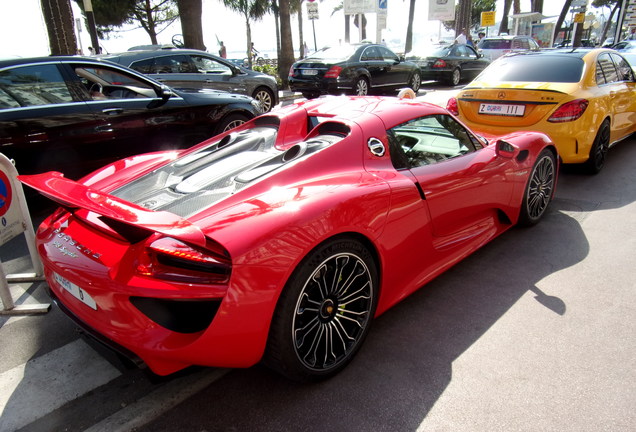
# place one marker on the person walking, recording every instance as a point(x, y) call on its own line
point(222, 50)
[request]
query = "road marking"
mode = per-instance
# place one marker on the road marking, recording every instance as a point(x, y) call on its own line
point(41, 385)
point(158, 402)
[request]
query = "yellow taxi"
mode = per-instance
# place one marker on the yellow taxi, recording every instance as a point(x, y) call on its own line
point(585, 100)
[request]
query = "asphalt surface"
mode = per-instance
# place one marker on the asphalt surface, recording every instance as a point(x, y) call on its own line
point(534, 332)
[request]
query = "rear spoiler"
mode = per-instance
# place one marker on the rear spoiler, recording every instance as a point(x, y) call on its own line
point(72, 194)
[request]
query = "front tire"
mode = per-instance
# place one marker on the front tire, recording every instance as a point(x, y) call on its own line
point(324, 312)
point(539, 189)
point(598, 152)
point(230, 122)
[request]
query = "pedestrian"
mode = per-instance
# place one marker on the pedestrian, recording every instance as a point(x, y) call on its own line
point(461, 38)
point(222, 50)
point(481, 35)
point(469, 41)
point(91, 51)
point(254, 52)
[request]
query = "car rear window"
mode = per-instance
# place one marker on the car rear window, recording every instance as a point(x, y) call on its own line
point(495, 44)
point(534, 68)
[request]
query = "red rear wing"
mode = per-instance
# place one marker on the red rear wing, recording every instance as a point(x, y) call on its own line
point(71, 194)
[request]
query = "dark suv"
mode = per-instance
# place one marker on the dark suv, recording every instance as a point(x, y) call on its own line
point(199, 69)
point(75, 114)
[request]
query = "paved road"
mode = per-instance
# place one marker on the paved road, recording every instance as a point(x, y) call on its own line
point(534, 332)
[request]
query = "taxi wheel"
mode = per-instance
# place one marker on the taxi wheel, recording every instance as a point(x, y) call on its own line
point(598, 152)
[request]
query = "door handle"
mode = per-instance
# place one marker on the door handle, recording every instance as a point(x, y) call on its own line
point(113, 111)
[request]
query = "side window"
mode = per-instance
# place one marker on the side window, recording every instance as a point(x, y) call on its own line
point(471, 52)
point(370, 54)
point(387, 54)
point(104, 83)
point(625, 72)
point(143, 66)
point(429, 140)
point(605, 64)
point(32, 86)
point(172, 64)
point(209, 65)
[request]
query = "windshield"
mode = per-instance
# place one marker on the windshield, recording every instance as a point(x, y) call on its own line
point(534, 68)
point(334, 54)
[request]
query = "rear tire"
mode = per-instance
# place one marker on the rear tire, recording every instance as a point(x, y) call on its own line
point(324, 312)
point(361, 87)
point(415, 82)
point(598, 152)
point(266, 98)
point(455, 77)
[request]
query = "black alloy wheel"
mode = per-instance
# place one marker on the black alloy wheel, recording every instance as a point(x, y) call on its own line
point(325, 311)
point(539, 189)
point(361, 87)
point(415, 82)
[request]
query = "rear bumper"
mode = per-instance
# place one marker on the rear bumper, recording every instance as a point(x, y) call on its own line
point(323, 86)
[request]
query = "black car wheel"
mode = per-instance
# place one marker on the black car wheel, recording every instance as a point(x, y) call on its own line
point(361, 87)
point(415, 82)
point(266, 98)
point(539, 189)
point(324, 312)
point(598, 152)
point(455, 77)
point(230, 122)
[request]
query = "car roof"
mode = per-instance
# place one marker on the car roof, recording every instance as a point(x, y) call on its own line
point(151, 53)
point(563, 52)
point(49, 59)
point(506, 37)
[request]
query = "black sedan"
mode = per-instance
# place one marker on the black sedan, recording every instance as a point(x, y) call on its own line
point(357, 69)
point(199, 69)
point(450, 63)
point(74, 114)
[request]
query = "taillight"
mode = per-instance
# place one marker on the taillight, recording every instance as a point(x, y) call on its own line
point(569, 111)
point(291, 71)
point(333, 72)
point(170, 259)
point(452, 106)
point(439, 64)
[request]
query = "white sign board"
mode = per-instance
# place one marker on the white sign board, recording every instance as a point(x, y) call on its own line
point(355, 7)
point(312, 11)
point(442, 10)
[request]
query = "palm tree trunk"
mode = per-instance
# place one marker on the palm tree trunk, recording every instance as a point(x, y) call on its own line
point(287, 48)
point(58, 18)
point(503, 26)
point(301, 49)
point(409, 29)
point(559, 23)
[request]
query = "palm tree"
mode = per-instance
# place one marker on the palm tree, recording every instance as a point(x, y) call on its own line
point(251, 10)
point(409, 29)
point(286, 58)
point(58, 18)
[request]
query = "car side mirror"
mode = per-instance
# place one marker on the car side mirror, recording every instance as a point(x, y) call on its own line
point(506, 150)
point(164, 93)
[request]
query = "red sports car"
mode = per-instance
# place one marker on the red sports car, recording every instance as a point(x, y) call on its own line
point(281, 239)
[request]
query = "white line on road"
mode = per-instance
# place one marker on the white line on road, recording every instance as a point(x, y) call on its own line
point(41, 385)
point(158, 402)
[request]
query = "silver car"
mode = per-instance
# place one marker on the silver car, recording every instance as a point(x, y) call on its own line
point(494, 47)
point(185, 68)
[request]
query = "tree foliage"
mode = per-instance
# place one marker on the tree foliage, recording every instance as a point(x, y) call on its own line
point(151, 15)
point(250, 10)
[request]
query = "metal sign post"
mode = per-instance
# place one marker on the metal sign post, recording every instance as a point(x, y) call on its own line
point(15, 220)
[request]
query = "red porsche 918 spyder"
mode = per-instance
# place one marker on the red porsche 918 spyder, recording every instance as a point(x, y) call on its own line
point(282, 239)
